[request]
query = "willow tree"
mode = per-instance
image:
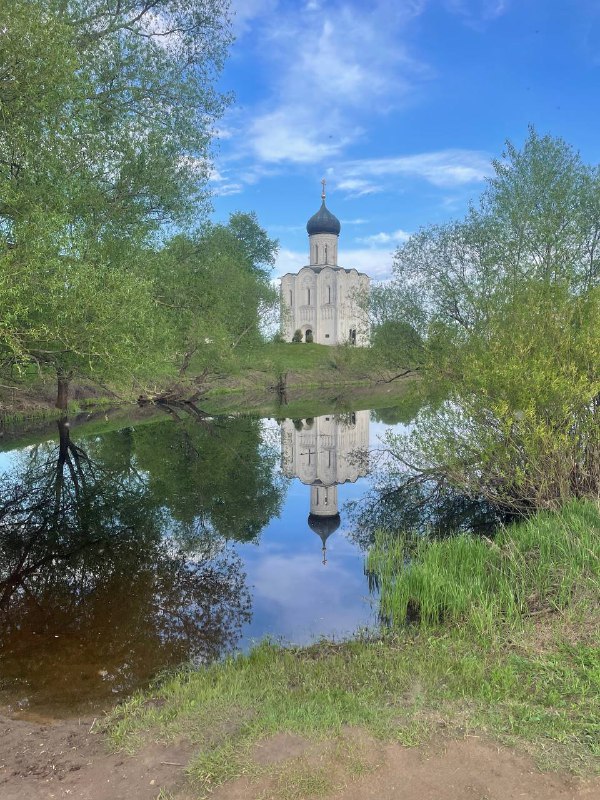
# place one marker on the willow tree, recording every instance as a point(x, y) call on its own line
point(107, 112)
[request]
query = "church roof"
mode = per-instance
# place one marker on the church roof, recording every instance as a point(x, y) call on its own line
point(323, 222)
point(317, 269)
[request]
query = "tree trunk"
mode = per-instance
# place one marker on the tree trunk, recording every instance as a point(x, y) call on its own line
point(62, 394)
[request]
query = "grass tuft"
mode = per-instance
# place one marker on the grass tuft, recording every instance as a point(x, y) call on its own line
point(530, 569)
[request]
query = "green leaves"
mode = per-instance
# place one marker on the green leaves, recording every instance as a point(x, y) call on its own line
point(106, 114)
point(509, 300)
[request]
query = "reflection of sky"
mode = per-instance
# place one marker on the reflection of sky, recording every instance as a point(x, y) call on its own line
point(295, 596)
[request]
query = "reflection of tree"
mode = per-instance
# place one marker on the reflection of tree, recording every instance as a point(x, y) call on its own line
point(96, 593)
point(394, 415)
point(213, 475)
point(405, 504)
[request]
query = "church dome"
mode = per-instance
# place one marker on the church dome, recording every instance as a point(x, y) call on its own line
point(323, 222)
point(324, 526)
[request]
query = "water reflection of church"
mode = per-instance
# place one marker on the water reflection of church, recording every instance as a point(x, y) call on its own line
point(324, 452)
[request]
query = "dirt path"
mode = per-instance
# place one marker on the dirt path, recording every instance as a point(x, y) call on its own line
point(67, 759)
point(41, 760)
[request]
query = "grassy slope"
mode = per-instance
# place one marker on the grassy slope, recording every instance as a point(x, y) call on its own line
point(249, 372)
point(513, 673)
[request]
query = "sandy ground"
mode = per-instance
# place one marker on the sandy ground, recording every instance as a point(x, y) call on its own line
point(49, 759)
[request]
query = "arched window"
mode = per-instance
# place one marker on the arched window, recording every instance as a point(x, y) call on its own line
point(308, 297)
point(329, 294)
point(291, 302)
point(326, 254)
point(316, 254)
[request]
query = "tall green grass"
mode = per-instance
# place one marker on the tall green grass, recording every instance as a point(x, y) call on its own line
point(530, 568)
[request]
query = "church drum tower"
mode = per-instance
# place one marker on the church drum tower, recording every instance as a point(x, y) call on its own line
point(323, 300)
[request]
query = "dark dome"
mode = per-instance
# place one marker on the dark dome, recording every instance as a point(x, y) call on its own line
point(324, 526)
point(323, 222)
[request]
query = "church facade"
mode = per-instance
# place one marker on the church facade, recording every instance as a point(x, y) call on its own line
point(323, 300)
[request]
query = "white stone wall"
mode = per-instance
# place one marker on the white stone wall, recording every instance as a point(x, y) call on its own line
point(326, 302)
point(323, 248)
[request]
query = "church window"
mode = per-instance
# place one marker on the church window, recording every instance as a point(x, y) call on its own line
point(326, 254)
point(291, 303)
point(308, 297)
point(329, 294)
point(316, 254)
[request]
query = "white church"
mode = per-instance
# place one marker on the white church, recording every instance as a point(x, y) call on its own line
point(323, 300)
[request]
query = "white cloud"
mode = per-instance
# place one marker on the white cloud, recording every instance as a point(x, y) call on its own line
point(229, 188)
point(357, 187)
point(443, 168)
point(376, 262)
point(243, 12)
point(331, 66)
point(222, 184)
point(288, 136)
point(476, 12)
point(396, 237)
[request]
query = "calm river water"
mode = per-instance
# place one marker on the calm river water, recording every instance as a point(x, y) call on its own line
point(128, 552)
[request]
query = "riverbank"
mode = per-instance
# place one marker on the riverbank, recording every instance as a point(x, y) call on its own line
point(255, 378)
point(334, 719)
point(445, 709)
point(403, 396)
point(69, 759)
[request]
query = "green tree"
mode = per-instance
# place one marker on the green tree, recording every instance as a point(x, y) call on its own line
point(107, 112)
point(508, 300)
point(538, 219)
point(215, 285)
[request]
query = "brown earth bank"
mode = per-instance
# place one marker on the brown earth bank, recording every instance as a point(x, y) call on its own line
point(42, 759)
point(218, 391)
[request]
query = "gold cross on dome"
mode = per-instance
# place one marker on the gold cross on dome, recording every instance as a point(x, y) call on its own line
point(323, 182)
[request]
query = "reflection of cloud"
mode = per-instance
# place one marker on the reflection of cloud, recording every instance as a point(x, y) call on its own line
point(304, 598)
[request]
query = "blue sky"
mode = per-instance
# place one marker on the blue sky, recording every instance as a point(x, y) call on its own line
point(400, 105)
